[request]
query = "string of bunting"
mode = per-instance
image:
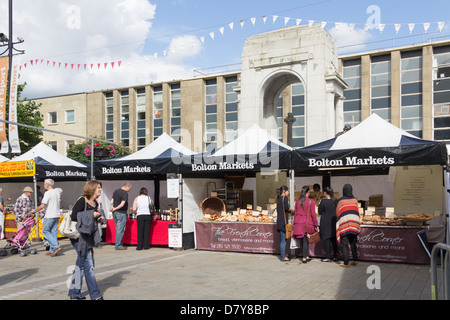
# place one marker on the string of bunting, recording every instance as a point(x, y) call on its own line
point(274, 18)
point(72, 66)
point(323, 24)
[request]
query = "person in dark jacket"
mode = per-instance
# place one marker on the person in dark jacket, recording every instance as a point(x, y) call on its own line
point(283, 210)
point(85, 243)
point(327, 211)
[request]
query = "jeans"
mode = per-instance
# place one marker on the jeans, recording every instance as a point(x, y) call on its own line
point(345, 241)
point(144, 222)
point(305, 247)
point(120, 220)
point(50, 232)
point(83, 266)
point(331, 242)
point(283, 245)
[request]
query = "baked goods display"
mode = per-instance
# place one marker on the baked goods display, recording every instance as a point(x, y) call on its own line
point(382, 220)
point(247, 216)
point(412, 219)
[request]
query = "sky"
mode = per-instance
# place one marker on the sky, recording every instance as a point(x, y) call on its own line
point(74, 46)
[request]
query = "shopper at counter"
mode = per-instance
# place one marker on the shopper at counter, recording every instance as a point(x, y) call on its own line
point(283, 210)
point(119, 210)
point(305, 221)
point(51, 203)
point(348, 224)
point(141, 205)
point(327, 211)
point(24, 206)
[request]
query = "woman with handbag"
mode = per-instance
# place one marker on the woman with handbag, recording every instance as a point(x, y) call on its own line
point(305, 221)
point(86, 209)
point(327, 212)
point(141, 205)
point(283, 210)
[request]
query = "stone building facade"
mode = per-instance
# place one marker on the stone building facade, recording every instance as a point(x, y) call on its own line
point(292, 70)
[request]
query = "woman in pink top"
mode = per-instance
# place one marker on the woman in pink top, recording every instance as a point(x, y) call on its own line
point(303, 205)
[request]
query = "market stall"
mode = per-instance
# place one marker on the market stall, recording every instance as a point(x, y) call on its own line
point(245, 226)
point(378, 158)
point(150, 167)
point(39, 163)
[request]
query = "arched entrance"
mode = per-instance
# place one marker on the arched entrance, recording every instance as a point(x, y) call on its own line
point(277, 105)
point(275, 60)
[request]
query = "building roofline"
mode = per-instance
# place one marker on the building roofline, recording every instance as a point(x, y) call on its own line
point(405, 48)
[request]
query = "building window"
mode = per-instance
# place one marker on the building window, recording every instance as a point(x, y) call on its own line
point(380, 87)
point(175, 112)
point(211, 115)
point(125, 117)
point(411, 92)
point(279, 115)
point(352, 102)
point(69, 144)
point(441, 94)
point(70, 116)
point(109, 103)
point(298, 111)
point(157, 112)
point(52, 118)
point(231, 109)
point(140, 118)
point(53, 145)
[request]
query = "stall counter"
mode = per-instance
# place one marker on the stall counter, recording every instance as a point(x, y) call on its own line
point(375, 243)
point(159, 232)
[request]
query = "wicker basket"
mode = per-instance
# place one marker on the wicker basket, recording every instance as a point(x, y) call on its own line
point(212, 206)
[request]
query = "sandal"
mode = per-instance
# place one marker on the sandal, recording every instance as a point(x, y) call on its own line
point(286, 259)
point(343, 265)
point(326, 260)
point(354, 263)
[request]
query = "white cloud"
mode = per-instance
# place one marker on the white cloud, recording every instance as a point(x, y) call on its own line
point(92, 31)
point(348, 39)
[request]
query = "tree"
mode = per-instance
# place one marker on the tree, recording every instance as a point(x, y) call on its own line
point(102, 150)
point(27, 113)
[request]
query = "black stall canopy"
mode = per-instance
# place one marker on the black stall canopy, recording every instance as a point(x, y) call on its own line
point(373, 143)
point(53, 165)
point(162, 156)
point(253, 151)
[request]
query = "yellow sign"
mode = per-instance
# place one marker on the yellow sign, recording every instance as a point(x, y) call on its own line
point(17, 169)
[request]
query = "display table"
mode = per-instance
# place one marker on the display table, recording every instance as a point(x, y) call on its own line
point(10, 227)
point(375, 243)
point(385, 244)
point(237, 236)
point(159, 232)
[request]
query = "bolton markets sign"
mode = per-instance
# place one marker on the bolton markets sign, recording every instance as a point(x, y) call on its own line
point(350, 161)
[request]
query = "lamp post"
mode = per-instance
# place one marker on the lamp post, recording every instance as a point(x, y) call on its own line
point(10, 48)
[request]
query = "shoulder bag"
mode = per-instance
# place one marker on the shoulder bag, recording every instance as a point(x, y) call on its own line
point(67, 227)
point(315, 237)
point(289, 226)
point(151, 206)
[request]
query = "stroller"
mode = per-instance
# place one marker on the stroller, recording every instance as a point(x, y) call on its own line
point(21, 240)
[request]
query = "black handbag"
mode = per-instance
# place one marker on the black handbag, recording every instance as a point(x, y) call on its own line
point(151, 206)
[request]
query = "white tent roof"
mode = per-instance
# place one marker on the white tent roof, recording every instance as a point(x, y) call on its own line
point(3, 159)
point(252, 141)
point(156, 148)
point(374, 132)
point(48, 154)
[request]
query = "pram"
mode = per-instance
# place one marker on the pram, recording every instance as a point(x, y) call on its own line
point(21, 240)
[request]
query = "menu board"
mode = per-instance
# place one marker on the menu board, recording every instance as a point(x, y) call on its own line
point(418, 189)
